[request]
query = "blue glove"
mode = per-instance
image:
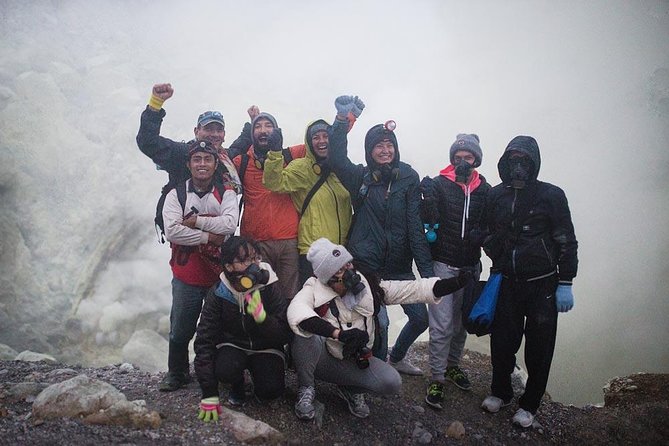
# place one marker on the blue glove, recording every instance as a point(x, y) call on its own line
point(358, 106)
point(345, 105)
point(275, 140)
point(564, 298)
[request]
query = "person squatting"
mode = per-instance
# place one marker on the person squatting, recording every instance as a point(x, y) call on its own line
point(325, 245)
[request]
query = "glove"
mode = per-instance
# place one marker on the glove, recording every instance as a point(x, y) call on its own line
point(275, 140)
point(427, 188)
point(358, 106)
point(344, 105)
point(564, 298)
point(210, 409)
point(442, 287)
point(353, 339)
point(254, 307)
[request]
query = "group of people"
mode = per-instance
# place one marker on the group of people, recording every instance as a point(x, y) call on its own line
point(325, 245)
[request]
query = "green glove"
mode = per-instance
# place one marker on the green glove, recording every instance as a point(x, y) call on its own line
point(254, 307)
point(210, 409)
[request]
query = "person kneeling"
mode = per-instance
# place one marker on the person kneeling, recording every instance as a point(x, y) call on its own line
point(333, 317)
point(242, 326)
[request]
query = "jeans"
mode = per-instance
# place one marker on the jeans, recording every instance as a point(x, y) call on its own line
point(417, 324)
point(186, 307)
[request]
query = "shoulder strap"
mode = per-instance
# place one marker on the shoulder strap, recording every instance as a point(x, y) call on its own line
point(313, 191)
point(181, 195)
point(242, 170)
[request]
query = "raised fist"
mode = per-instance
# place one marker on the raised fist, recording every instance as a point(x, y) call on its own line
point(163, 91)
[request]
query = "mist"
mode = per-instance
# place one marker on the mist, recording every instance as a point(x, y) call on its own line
point(81, 265)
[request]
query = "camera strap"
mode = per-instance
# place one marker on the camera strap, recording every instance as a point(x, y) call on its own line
point(335, 312)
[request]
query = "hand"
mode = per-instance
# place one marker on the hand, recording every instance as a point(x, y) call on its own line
point(210, 409)
point(443, 287)
point(275, 140)
point(344, 105)
point(353, 339)
point(163, 91)
point(253, 112)
point(190, 221)
point(216, 239)
point(564, 298)
point(254, 307)
point(358, 106)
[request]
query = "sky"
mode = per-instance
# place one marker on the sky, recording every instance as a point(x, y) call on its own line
point(589, 80)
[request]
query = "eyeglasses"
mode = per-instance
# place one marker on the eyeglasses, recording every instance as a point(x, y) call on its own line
point(338, 275)
point(248, 261)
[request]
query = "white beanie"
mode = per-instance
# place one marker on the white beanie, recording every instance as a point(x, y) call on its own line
point(327, 258)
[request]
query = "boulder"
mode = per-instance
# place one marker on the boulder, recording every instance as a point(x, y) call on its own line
point(7, 353)
point(147, 350)
point(250, 431)
point(27, 355)
point(78, 396)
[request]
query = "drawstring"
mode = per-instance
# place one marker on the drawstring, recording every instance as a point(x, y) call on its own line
point(465, 211)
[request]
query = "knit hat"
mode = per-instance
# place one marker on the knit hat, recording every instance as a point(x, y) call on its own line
point(202, 146)
point(470, 143)
point(374, 136)
point(327, 258)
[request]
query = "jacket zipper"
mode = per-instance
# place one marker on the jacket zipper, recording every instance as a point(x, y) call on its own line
point(513, 227)
point(548, 254)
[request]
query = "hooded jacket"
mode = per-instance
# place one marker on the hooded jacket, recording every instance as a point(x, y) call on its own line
point(387, 232)
point(531, 231)
point(224, 321)
point(328, 214)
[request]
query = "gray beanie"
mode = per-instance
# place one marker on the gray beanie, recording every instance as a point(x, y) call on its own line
point(470, 143)
point(327, 258)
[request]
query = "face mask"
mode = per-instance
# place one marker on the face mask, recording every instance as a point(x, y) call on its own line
point(520, 169)
point(352, 281)
point(462, 171)
point(250, 277)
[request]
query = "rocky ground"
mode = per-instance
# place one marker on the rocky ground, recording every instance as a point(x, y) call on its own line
point(635, 412)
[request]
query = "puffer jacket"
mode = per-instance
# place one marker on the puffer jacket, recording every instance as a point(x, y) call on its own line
point(387, 232)
point(531, 231)
point(315, 294)
point(328, 214)
point(225, 322)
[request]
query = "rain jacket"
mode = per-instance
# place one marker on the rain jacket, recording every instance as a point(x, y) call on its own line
point(328, 214)
point(387, 232)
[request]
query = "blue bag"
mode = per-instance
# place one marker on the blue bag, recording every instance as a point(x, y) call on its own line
point(482, 314)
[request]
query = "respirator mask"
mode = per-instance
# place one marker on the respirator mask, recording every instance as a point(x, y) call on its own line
point(520, 169)
point(462, 171)
point(250, 277)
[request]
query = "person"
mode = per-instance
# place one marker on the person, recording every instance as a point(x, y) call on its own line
point(243, 326)
point(453, 205)
point(195, 228)
point(531, 242)
point(387, 232)
point(332, 316)
point(323, 203)
point(269, 217)
point(171, 156)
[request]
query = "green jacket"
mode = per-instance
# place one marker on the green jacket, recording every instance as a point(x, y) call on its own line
point(329, 211)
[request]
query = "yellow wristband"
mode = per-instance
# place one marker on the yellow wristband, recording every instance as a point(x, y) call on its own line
point(155, 102)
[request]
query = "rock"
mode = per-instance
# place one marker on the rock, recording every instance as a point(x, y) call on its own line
point(126, 367)
point(126, 413)
point(25, 391)
point(27, 355)
point(456, 430)
point(420, 435)
point(61, 374)
point(147, 350)
point(7, 353)
point(248, 430)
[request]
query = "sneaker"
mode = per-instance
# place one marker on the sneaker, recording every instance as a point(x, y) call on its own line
point(173, 381)
point(493, 404)
point(523, 418)
point(356, 402)
point(435, 395)
point(457, 376)
point(404, 366)
point(304, 407)
point(237, 395)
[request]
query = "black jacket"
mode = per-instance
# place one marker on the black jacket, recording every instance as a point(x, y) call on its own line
point(531, 232)
point(222, 321)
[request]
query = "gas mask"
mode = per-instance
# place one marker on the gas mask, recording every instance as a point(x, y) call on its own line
point(462, 171)
point(250, 277)
point(351, 280)
point(520, 169)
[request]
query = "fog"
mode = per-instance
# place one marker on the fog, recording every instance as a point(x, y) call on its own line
point(81, 267)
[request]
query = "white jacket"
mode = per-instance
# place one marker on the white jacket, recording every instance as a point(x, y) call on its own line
point(315, 294)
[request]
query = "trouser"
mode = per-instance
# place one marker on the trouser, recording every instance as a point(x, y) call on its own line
point(312, 361)
point(447, 332)
point(266, 369)
point(415, 326)
point(524, 308)
point(186, 307)
point(282, 255)
point(306, 270)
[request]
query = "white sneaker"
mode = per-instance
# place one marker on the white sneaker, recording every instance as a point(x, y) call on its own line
point(404, 366)
point(523, 418)
point(493, 404)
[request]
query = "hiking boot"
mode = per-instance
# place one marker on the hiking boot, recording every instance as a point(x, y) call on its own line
point(493, 404)
point(523, 418)
point(173, 381)
point(304, 407)
point(405, 367)
point(356, 402)
point(237, 395)
point(435, 395)
point(455, 375)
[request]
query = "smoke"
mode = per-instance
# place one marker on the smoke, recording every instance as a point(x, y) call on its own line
point(80, 266)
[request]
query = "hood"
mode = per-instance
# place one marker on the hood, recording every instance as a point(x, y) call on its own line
point(307, 138)
point(525, 144)
point(261, 116)
point(374, 135)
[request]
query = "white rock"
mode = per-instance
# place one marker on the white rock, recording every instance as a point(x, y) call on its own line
point(78, 396)
point(28, 356)
point(147, 350)
point(248, 430)
point(7, 353)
